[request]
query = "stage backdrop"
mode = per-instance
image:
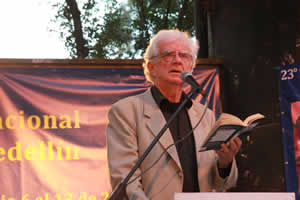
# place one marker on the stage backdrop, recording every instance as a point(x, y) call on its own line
point(52, 127)
point(289, 88)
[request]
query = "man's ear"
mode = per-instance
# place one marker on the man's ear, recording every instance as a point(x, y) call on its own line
point(152, 71)
point(151, 68)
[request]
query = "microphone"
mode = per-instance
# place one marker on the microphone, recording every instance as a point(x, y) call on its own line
point(187, 76)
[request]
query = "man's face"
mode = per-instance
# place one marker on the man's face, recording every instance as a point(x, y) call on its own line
point(173, 58)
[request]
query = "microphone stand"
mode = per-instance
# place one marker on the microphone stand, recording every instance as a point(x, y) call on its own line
point(120, 192)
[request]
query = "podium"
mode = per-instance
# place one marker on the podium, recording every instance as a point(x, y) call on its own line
point(235, 196)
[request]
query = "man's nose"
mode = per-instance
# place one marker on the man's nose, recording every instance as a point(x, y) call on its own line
point(176, 57)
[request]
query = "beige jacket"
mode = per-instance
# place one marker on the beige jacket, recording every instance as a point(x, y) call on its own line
point(133, 123)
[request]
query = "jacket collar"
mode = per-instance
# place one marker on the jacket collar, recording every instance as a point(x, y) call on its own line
point(156, 120)
point(160, 99)
point(155, 123)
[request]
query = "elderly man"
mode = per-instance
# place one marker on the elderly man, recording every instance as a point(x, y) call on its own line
point(136, 120)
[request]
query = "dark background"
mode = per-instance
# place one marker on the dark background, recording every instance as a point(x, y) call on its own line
point(255, 37)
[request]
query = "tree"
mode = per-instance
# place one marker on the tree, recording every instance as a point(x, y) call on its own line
point(72, 26)
point(114, 36)
point(125, 29)
point(81, 49)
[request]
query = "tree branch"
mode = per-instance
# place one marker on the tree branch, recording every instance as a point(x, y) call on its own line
point(181, 13)
point(166, 15)
point(82, 50)
point(144, 33)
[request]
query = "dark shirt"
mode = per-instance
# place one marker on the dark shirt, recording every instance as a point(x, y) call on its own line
point(179, 128)
point(186, 149)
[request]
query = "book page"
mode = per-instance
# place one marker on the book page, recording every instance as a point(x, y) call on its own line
point(226, 118)
point(253, 118)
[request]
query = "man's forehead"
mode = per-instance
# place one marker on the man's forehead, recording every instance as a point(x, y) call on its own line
point(173, 45)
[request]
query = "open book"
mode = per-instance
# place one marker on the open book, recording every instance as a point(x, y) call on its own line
point(228, 127)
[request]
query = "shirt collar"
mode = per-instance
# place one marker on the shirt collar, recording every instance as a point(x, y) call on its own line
point(159, 98)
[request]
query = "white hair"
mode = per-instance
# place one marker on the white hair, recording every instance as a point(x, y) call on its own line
point(168, 36)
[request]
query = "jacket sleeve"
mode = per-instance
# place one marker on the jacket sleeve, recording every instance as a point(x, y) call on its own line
point(122, 149)
point(230, 181)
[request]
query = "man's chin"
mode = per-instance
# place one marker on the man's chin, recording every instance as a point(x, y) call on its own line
point(177, 81)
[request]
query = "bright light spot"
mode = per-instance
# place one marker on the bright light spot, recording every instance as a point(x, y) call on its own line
point(24, 30)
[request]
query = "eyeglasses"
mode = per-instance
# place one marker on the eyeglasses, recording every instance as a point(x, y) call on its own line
point(170, 55)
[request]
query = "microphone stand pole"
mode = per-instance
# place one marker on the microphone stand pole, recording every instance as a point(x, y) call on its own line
point(120, 192)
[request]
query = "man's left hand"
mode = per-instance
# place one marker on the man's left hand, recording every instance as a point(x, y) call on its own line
point(228, 152)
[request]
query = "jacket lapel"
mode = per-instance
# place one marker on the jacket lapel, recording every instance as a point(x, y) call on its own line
point(195, 115)
point(156, 122)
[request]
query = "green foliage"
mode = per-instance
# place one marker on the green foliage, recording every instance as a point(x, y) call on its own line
point(66, 25)
point(124, 30)
point(114, 37)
